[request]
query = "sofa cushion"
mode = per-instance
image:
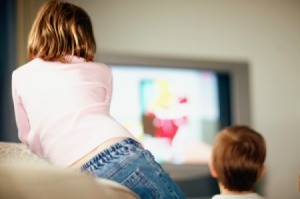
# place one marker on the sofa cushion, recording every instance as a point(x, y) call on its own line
point(17, 152)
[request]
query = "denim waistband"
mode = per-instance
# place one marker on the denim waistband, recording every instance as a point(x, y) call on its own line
point(120, 148)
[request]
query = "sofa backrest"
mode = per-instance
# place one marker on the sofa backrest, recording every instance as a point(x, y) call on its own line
point(24, 175)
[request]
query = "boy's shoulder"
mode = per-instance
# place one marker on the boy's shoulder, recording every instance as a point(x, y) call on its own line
point(238, 196)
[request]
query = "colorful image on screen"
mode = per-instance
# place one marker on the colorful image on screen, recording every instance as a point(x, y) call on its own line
point(174, 112)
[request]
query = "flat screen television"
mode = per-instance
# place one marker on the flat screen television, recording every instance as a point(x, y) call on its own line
point(175, 107)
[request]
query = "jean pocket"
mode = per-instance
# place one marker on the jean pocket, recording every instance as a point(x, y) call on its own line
point(140, 184)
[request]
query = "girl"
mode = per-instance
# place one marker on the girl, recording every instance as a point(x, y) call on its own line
point(62, 100)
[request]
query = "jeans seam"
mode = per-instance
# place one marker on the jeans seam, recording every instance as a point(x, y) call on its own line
point(121, 165)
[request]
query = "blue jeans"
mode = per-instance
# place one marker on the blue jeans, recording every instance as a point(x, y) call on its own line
point(129, 164)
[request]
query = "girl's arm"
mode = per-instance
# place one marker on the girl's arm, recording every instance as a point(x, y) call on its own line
point(20, 114)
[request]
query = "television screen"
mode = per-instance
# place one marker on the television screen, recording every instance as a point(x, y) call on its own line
point(174, 112)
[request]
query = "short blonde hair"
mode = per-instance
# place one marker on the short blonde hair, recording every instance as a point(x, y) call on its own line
point(61, 29)
point(238, 157)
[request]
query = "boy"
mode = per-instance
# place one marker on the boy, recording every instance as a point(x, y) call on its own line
point(238, 162)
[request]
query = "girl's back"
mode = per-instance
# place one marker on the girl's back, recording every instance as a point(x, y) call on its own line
point(61, 100)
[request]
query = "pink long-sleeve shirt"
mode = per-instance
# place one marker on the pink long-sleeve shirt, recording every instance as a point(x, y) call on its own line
point(62, 110)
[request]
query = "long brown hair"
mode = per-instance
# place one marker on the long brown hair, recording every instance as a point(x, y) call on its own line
point(61, 29)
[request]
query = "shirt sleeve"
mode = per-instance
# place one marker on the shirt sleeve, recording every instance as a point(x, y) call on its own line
point(20, 113)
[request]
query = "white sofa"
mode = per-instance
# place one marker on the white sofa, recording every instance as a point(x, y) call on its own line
point(23, 175)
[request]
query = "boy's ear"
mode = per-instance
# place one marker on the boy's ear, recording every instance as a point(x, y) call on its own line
point(212, 169)
point(263, 170)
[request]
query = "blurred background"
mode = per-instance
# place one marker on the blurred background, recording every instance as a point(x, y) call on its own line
point(265, 34)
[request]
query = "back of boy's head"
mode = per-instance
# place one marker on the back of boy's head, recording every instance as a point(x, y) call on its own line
point(238, 157)
point(61, 29)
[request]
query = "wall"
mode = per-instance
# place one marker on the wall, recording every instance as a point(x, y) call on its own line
point(7, 63)
point(264, 33)
point(26, 13)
